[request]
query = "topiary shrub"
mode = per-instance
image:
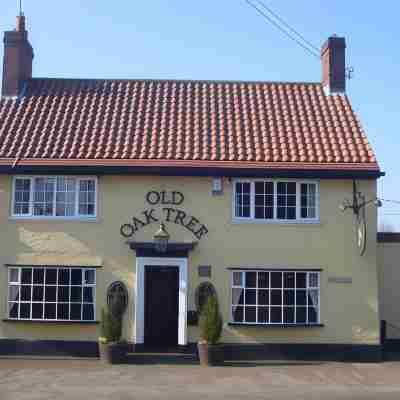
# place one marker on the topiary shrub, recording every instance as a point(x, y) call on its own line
point(111, 326)
point(117, 298)
point(210, 321)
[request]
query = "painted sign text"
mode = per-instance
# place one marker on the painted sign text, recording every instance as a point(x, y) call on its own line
point(165, 214)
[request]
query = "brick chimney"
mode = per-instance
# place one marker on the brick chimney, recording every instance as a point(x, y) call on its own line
point(333, 57)
point(18, 58)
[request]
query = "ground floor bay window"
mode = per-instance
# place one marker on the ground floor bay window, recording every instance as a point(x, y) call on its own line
point(51, 293)
point(268, 297)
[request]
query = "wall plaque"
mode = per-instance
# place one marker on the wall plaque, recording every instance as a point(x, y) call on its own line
point(217, 187)
point(205, 271)
point(340, 279)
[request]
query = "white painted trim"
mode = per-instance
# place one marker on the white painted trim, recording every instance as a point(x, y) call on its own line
point(182, 264)
point(237, 220)
point(48, 218)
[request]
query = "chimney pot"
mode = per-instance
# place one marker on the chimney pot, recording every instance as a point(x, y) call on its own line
point(333, 58)
point(21, 23)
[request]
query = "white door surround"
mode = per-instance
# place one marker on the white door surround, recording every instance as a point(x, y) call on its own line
point(182, 264)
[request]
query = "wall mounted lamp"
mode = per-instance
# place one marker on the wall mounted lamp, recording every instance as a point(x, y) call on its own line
point(161, 239)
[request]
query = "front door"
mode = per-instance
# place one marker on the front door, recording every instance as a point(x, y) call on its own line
point(161, 305)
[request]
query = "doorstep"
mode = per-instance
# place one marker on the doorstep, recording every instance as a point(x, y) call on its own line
point(269, 363)
point(162, 358)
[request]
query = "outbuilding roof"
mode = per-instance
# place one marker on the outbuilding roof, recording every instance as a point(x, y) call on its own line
point(183, 124)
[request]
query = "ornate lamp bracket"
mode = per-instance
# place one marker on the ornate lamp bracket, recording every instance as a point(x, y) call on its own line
point(359, 203)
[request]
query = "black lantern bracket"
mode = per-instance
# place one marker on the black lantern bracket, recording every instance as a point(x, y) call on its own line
point(161, 246)
point(175, 249)
point(358, 203)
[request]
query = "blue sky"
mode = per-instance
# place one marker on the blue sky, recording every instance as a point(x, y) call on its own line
point(227, 40)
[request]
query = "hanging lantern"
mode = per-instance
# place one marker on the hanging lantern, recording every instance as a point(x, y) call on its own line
point(161, 239)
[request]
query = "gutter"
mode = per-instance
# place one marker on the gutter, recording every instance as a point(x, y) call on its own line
point(164, 170)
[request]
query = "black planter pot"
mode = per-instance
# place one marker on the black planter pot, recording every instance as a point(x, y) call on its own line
point(210, 354)
point(117, 353)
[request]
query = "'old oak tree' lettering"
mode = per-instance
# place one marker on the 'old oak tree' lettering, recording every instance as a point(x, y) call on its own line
point(165, 198)
point(166, 214)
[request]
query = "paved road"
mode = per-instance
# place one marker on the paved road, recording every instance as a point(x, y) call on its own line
point(75, 380)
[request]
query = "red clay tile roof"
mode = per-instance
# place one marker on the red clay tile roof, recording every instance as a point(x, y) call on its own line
point(182, 123)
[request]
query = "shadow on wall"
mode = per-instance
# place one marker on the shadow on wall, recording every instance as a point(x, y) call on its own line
point(81, 244)
point(52, 242)
point(85, 246)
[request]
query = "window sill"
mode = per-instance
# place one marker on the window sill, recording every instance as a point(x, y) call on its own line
point(269, 326)
point(238, 221)
point(54, 219)
point(30, 321)
point(42, 266)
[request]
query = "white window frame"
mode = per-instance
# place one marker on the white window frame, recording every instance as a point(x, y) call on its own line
point(275, 220)
point(269, 323)
point(77, 216)
point(31, 302)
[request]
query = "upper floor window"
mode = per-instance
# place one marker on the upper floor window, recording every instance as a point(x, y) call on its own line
point(54, 196)
point(272, 200)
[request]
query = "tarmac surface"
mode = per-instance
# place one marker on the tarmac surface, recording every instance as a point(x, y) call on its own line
point(22, 379)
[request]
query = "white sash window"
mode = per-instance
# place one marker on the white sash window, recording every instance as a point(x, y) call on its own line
point(54, 197)
point(275, 201)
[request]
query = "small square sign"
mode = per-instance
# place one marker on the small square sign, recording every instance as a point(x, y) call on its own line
point(205, 271)
point(217, 186)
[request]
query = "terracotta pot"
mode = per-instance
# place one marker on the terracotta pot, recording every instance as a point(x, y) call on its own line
point(210, 354)
point(103, 352)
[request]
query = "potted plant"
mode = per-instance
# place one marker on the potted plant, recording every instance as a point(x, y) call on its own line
point(112, 349)
point(210, 352)
point(107, 334)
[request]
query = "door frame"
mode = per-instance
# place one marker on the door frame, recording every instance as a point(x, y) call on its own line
point(182, 264)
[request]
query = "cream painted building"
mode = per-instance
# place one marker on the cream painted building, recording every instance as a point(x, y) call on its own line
point(246, 178)
point(388, 284)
